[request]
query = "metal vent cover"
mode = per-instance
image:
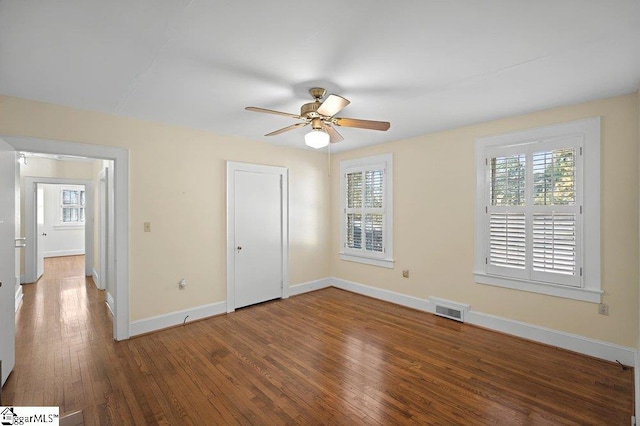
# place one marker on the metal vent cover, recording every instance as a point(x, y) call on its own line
point(448, 308)
point(454, 314)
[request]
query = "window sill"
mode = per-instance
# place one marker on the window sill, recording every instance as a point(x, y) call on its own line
point(383, 263)
point(585, 295)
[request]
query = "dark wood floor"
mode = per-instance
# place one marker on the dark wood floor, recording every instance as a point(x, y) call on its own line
point(327, 357)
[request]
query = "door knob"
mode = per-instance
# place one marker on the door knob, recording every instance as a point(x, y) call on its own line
point(239, 248)
point(44, 234)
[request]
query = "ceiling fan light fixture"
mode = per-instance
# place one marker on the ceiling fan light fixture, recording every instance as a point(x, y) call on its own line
point(316, 138)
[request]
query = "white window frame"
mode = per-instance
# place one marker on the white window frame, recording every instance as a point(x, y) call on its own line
point(70, 225)
point(376, 162)
point(588, 196)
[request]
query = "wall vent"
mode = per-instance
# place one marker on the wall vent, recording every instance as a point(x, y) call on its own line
point(448, 309)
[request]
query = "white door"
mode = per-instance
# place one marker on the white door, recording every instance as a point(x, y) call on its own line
point(40, 232)
point(258, 237)
point(7, 258)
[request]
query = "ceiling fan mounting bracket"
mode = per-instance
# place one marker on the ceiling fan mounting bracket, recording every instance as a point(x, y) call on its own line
point(317, 93)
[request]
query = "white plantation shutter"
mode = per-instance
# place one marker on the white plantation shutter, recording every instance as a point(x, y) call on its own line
point(555, 217)
point(538, 210)
point(533, 213)
point(507, 240)
point(354, 231)
point(554, 243)
point(365, 199)
point(366, 226)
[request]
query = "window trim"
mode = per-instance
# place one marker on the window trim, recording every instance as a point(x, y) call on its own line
point(589, 128)
point(384, 259)
point(70, 225)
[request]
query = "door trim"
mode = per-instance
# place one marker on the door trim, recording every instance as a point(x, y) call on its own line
point(283, 172)
point(120, 157)
point(30, 261)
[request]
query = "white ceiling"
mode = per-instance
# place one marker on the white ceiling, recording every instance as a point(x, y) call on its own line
point(422, 65)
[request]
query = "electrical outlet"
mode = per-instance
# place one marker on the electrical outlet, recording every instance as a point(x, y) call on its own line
point(603, 309)
point(405, 273)
point(147, 227)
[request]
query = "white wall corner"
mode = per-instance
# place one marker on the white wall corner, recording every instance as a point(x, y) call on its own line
point(573, 342)
point(170, 319)
point(18, 295)
point(110, 302)
point(308, 286)
point(96, 279)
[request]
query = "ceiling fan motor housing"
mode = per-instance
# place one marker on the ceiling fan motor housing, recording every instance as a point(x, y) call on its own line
point(310, 110)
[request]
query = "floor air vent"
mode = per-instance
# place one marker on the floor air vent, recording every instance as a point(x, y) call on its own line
point(449, 309)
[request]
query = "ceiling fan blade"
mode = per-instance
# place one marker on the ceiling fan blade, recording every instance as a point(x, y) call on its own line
point(270, 111)
point(286, 129)
point(362, 124)
point(334, 136)
point(332, 105)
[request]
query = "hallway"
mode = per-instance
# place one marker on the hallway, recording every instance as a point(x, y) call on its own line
point(61, 331)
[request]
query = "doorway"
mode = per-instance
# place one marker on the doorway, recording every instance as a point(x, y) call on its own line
point(120, 259)
point(257, 234)
point(59, 221)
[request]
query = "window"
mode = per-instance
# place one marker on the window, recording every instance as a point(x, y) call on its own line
point(366, 201)
point(72, 205)
point(536, 228)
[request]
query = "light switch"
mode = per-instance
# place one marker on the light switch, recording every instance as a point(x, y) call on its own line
point(147, 227)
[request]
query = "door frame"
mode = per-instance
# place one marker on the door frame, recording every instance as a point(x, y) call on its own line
point(30, 252)
point(283, 172)
point(120, 158)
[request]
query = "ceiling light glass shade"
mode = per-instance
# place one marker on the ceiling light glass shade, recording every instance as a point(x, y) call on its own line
point(317, 138)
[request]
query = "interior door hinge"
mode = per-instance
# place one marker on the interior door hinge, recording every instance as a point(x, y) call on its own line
point(580, 150)
point(581, 271)
point(580, 209)
point(486, 260)
point(486, 209)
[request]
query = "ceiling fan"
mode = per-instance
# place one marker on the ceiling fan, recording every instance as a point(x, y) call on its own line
point(321, 115)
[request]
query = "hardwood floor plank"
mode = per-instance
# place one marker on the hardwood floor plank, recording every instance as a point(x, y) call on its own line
point(327, 357)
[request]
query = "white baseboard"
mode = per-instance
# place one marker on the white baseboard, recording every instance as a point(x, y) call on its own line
point(573, 342)
point(386, 295)
point(60, 253)
point(96, 279)
point(296, 289)
point(175, 318)
point(110, 303)
point(18, 294)
point(561, 339)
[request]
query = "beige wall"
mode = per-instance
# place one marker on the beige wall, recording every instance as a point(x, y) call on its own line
point(434, 185)
point(178, 183)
